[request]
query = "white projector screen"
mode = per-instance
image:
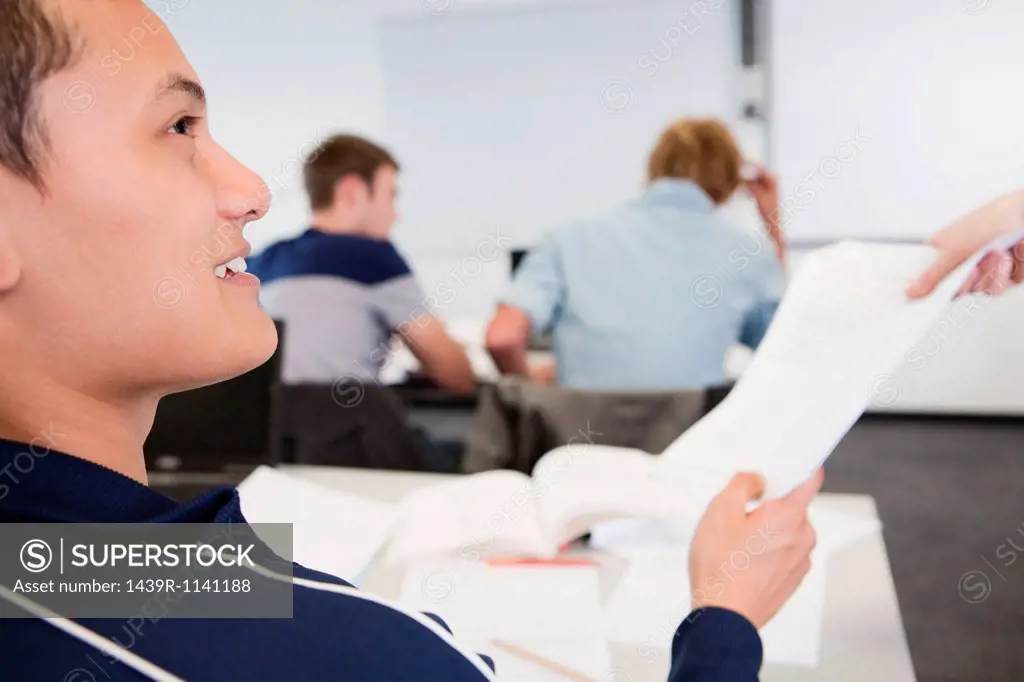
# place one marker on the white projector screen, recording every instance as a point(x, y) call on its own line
point(521, 118)
point(934, 85)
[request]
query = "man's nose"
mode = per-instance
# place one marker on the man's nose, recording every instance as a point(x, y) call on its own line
point(242, 193)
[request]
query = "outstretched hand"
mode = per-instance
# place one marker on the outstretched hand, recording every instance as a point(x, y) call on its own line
point(997, 271)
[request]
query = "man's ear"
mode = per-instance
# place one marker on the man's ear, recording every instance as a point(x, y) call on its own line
point(10, 262)
point(350, 189)
point(12, 190)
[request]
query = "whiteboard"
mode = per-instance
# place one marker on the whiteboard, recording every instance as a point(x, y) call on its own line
point(521, 118)
point(936, 86)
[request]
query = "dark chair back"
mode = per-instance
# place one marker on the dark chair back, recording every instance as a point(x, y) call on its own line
point(229, 425)
point(517, 422)
point(350, 423)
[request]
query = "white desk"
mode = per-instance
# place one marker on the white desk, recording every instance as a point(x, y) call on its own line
point(863, 638)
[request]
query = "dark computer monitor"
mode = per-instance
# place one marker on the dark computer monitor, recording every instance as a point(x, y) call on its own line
point(232, 426)
point(543, 341)
point(517, 258)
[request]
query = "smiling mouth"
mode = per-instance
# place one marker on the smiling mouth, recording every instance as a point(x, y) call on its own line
point(230, 269)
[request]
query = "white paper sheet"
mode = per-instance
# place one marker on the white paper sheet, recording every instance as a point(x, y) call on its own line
point(793, 636)
point(844, 323)
point(552, 612)
point(838, 530)
point(650, 600)
point(626, 536)
point(588, 657)
point(506, 602)
point(653, 597)
point(333, 531)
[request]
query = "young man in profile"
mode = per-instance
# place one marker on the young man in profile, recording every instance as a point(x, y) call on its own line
point(342, 287)
point(91, 338)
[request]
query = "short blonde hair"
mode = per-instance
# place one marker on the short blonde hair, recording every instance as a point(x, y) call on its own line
point(702, 150)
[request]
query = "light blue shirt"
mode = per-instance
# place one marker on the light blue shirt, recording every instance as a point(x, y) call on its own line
point(651, 295)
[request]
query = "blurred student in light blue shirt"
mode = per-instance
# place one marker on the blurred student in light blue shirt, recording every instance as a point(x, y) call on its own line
point(653, 294)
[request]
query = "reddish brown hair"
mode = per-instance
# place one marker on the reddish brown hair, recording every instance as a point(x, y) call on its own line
point(702, 150)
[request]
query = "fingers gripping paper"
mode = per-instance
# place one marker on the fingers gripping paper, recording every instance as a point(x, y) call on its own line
point(844, 325)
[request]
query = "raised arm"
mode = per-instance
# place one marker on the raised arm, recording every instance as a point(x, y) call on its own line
point(763, 187)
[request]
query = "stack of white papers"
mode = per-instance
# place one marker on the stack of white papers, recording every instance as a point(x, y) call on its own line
point(551, 613)
point(333, 532)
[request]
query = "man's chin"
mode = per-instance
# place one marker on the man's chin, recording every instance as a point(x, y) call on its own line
point(257, 345)
point(247, 348)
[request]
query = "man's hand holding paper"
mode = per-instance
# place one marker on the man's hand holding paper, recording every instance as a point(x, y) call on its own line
point(775, 541)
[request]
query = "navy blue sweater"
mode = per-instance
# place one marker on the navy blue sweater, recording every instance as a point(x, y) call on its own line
point(330, 636)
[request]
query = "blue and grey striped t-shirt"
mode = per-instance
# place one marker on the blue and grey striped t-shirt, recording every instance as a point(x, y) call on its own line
point(341, 298)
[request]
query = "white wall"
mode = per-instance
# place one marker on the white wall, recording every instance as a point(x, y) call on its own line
point(525, 118)
point(890, 118)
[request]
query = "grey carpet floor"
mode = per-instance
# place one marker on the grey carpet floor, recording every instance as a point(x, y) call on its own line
point(950, 494)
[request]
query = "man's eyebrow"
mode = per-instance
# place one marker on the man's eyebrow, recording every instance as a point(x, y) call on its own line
point(176, 82)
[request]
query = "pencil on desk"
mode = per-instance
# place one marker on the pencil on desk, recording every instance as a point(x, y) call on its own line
point(547, 663)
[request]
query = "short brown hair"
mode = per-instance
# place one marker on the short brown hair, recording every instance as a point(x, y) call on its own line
point(702, 150)
point(336, 157)
point(33, 46)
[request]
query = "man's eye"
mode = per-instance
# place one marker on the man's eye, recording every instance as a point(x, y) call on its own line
point(184, 126)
